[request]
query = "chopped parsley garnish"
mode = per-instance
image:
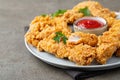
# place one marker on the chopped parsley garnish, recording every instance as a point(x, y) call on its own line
point(59, 36)
point(85, 11)
point(43, 15)
point(58, 13)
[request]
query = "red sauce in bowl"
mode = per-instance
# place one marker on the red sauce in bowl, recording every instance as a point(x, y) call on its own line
point(89, 24)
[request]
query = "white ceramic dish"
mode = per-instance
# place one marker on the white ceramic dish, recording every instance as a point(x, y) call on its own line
point(63, 63)
point(114, 62)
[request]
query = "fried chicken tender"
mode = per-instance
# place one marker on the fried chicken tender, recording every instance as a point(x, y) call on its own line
point(60, 50)
point(63, 51)
point(30, 36)
point(107, 37)
point(105, 52)
point(87, 4)
point(61, 25)
point(36, 26)
point(80, 37)
point(49, 45)
point(115, 30)
point(43, 22)
point(82, 54)
point(70, 16)
point(110, 21)
point(95, 8)
point(108, 43)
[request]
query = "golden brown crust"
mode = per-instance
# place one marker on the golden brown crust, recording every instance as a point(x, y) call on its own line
point(95, 8)
point(108, 43)
point(85, 38)
point(82, 54)
point(105, 51)
point(70, 16)
point(88, 46)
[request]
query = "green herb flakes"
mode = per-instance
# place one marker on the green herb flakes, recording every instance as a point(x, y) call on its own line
point(59, 12)
point(85, 11)
point(59, 36)
point(43, 15)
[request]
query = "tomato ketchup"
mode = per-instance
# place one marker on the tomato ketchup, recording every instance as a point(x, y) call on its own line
point(92, 25)
point(89, 23)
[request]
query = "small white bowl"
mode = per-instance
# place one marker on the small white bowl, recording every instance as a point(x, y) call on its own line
point(97, 31)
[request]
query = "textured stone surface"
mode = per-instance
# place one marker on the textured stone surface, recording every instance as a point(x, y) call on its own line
point(16, 63)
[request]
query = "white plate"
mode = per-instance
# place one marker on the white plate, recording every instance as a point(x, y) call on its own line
point(114, 62)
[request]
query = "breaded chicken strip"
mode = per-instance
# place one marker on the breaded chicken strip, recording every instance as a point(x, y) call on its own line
point(30, 36)
point(105, 52)
point(115, 30)
point(80, 37)
point(42, 22)
point(49, 45)
point(108, 37)
point(88, 4)
point(95, 8)
point(63, 51)
point(70, 16)
point(108, 43)
point(36, 26)
point(61, 25)
point(82, 54)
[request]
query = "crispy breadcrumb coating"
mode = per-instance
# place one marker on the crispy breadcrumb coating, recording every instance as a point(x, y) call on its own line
point(85, 38)
point(70, 16)
point(81, 48)
point(95, 8)
point(105, 52)
point(108, 43)
point(82, 54)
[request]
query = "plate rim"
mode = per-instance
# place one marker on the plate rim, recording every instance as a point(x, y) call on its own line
point(64, 66)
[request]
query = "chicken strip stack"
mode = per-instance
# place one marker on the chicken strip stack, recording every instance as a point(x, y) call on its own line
point(82, 54)
point(48, 34)
point(81, 48)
